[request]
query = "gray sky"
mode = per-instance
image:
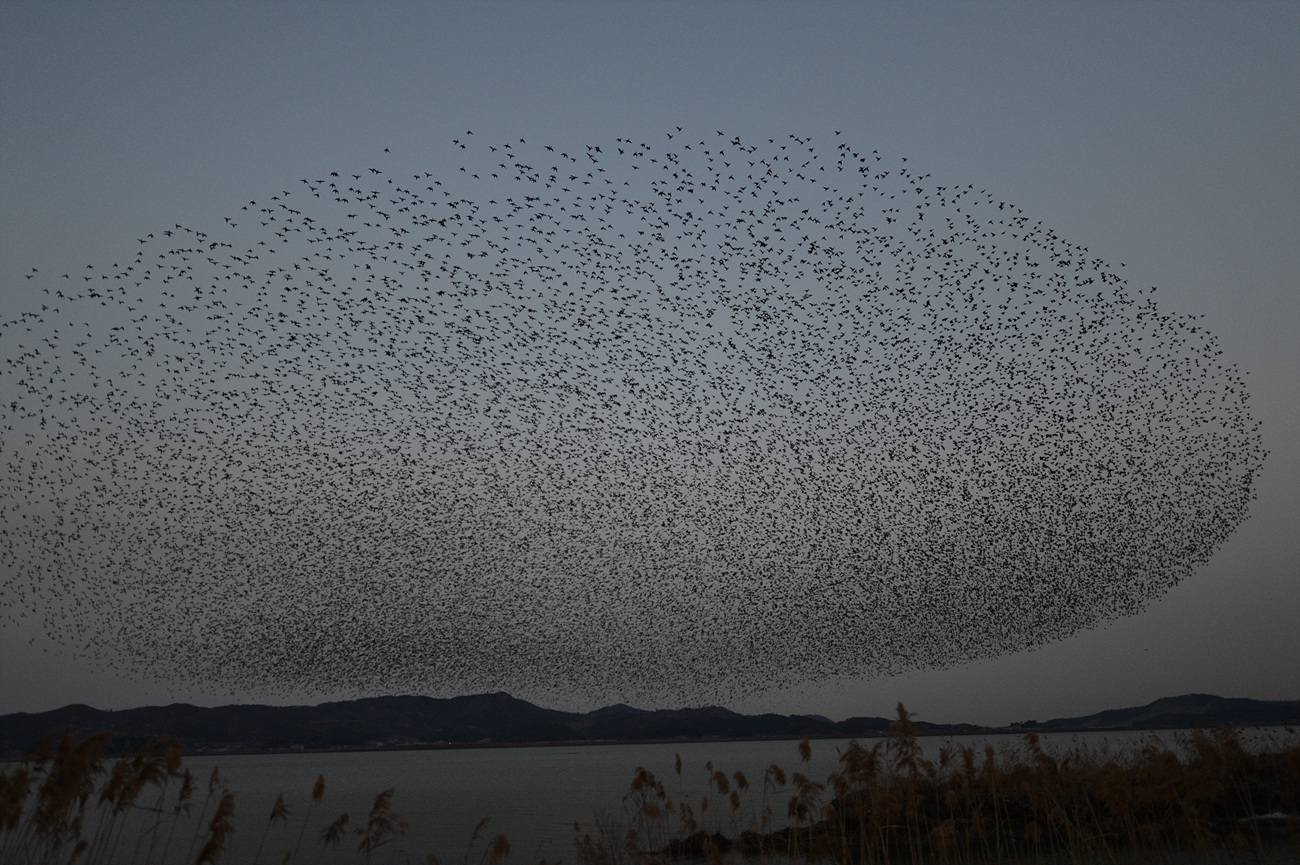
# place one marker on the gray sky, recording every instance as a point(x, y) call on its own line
point(1158, 135)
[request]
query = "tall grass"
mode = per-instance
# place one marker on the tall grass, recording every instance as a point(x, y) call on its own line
point(1209, 799)
point(1212, 798)
point(68, 802)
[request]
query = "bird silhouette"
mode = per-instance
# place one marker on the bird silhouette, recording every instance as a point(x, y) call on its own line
point(645, 422)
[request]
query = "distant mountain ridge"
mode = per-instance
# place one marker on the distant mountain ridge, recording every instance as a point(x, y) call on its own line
point(502, 719)
point(1189, 710)
point(395, 721)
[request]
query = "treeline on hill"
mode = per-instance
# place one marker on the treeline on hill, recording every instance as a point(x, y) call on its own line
point(413, 721)
point(1215, 797)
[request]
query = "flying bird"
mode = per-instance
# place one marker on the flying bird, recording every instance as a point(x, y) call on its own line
point(627, 421)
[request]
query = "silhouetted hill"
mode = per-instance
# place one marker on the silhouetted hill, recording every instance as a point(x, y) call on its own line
point(395, 721)
point(502, 719)
point(1189, 710)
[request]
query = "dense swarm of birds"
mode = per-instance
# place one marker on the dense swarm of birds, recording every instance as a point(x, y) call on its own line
point(647, 421)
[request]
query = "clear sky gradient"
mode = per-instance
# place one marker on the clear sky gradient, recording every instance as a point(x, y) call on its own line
point(1161, 135)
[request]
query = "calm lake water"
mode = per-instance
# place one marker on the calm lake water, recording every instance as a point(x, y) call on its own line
point(531, 795)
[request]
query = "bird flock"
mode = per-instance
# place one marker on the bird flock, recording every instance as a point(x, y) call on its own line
point(659, 421)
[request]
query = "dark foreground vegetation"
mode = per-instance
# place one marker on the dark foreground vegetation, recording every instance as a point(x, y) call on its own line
point(1216, 798)
point(1213, 799)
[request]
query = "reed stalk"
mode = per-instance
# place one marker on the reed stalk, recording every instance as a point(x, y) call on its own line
point(1199, 801)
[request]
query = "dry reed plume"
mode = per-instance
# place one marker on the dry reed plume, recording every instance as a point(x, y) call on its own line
point(66, 802)
point(1212, 799)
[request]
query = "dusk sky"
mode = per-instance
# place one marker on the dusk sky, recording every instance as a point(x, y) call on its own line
point(1162, 137)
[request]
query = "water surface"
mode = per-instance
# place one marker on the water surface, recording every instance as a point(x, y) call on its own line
point(532, 795)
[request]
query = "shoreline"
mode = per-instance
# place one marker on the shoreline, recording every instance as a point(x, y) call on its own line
point(461, 746)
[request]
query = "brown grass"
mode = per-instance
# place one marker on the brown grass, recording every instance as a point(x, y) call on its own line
point(69, 802)
point(1200, 802)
